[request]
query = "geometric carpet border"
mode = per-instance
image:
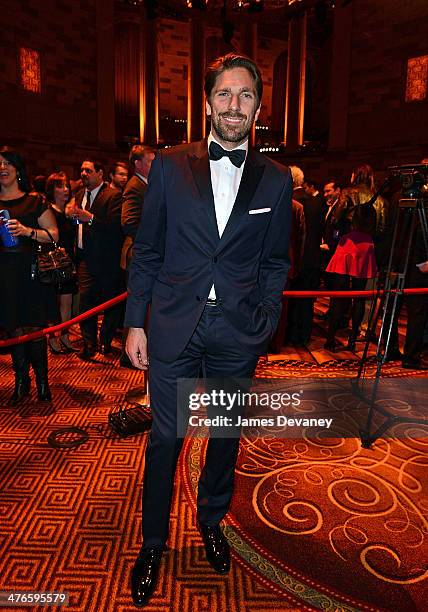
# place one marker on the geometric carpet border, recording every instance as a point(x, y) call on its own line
point(287, 368)
point(256, 560)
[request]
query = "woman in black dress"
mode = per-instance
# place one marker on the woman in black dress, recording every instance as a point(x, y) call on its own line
point(58, 193)
point(26, 305)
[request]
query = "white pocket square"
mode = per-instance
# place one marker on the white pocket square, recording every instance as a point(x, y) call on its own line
point(259, 211)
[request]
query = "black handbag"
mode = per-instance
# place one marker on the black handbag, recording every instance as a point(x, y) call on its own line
point(54, 266)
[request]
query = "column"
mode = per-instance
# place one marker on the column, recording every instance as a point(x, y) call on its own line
point(248, 32)
point(149, 79)
point(296, 75)
point(340, 77)
point(104, 16)
point(195, 80)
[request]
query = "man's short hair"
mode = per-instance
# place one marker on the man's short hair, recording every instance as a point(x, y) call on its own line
point(311, 183)
point(227, 62)
point(97, 164)
point(335, 184)
point(139, 151)
point(118, 164)
point(297, 175)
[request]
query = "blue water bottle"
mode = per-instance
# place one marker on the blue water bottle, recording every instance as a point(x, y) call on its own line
point(6, 237)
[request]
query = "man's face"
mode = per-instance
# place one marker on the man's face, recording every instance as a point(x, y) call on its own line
point(330, 193)
point(90, 177)
point(143, 165)
point(309, 189)
point(120, 178)
point(233, 107)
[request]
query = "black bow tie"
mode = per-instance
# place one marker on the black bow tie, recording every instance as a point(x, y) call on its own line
point(237, 156)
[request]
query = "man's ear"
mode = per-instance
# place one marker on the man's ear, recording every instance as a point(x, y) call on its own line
point(256, 116)
point(207, 108)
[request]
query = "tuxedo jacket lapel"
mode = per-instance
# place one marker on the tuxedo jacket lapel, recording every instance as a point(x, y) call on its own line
point(81, 194)
point(98, 196)
point(200, 166)
point(251, 177)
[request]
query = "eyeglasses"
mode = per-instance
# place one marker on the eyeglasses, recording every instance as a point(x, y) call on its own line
point(5, 164)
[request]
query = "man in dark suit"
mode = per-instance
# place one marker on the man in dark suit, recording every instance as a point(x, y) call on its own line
point(331, 236)
point(140, 160)
point(96, 211)
point(211, 256)
point(301, 310)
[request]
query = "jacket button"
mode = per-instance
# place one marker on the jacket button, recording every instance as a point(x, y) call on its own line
point(214, 259)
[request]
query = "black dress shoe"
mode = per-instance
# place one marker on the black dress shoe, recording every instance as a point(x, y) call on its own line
point(106, 349)
point(87, 353)
point(22, 389)
point(393, 354)
point(43, 392)
point(217, 548)
point(145, 575)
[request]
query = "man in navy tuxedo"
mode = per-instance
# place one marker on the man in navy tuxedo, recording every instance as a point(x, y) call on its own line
point(211, 256)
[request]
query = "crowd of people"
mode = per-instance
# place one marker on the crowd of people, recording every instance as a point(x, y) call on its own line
point(340, 240)
point(211, 257)
point(95, 222)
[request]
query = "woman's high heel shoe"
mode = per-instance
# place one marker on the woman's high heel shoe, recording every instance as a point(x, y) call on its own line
point(55, 346)
point(67, 345)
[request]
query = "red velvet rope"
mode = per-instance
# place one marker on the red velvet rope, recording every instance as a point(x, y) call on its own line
point(50, 331)
point(350, 294)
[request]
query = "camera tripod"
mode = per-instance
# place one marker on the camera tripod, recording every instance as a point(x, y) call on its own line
point(411, 205)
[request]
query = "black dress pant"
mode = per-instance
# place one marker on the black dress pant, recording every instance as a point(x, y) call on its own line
point(340, 306)
point(301, 310)
point(213, 349)
point(94, 289)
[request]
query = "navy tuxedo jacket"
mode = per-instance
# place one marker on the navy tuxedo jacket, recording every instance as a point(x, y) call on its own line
point(178, 254)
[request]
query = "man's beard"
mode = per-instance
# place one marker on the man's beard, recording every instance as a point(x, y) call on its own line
point(231, 133)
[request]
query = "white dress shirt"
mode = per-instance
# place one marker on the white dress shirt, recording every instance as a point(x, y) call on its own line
point(143, 178)
point(94, 194)
point(225, 181)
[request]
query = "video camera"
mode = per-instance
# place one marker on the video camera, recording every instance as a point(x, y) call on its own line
point(413, 179)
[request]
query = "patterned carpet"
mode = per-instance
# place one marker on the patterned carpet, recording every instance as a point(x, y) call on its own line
point(314, 525)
